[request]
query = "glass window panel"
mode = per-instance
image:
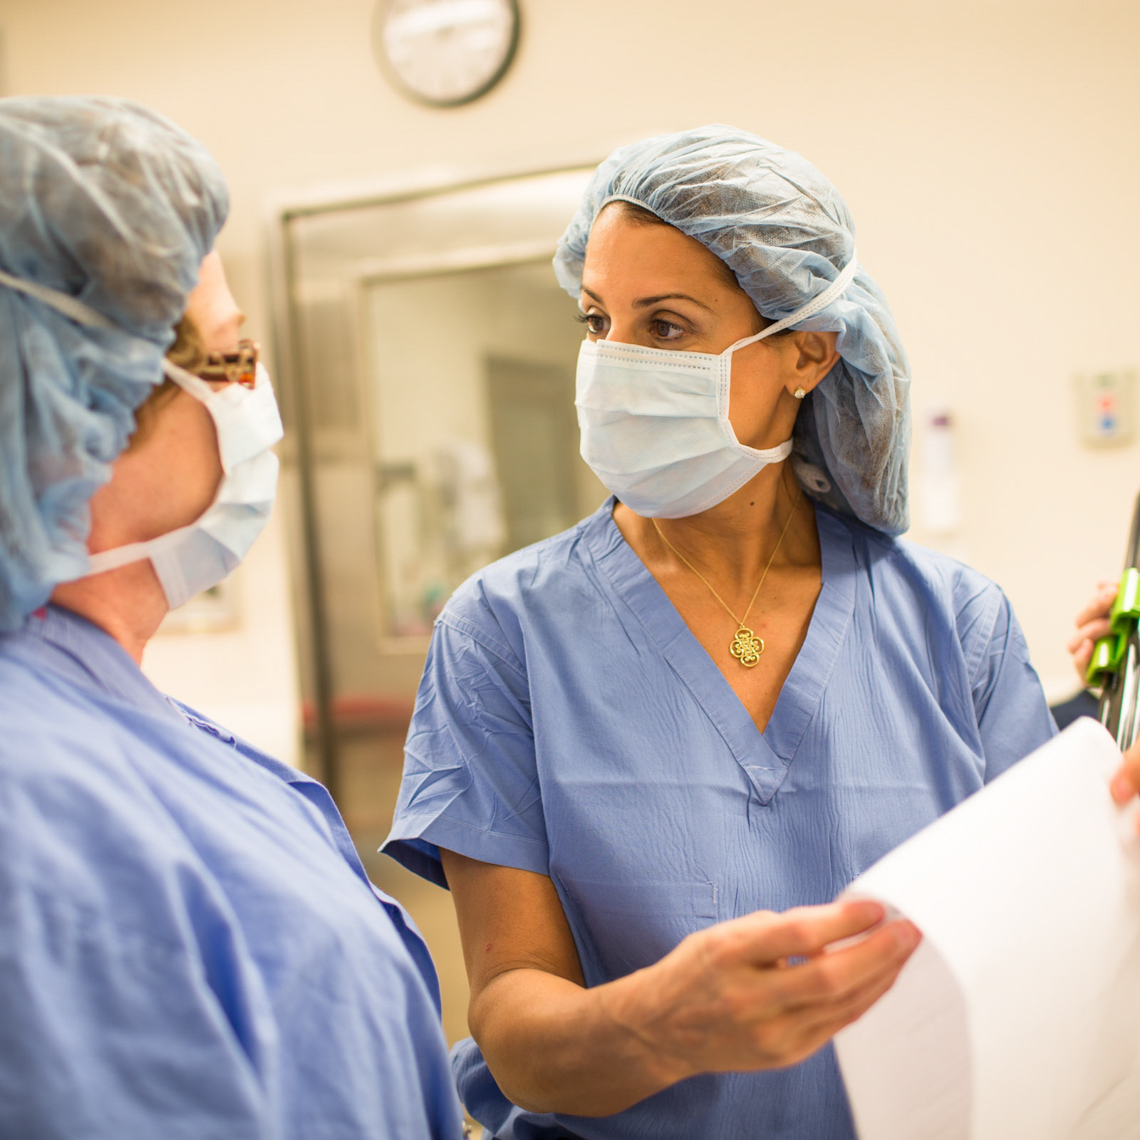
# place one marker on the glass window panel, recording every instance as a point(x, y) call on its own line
point(474, 437)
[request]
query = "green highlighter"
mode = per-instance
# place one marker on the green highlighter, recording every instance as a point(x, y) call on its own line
point(1115, 664)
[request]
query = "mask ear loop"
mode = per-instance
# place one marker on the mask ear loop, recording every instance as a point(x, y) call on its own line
point(816, 305)
point(187, 381)
point(139, 551)
point(130, 552)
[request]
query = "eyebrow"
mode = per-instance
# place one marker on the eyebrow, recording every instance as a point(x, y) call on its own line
point(645, 302)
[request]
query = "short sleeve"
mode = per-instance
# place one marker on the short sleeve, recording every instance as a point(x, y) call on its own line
point(1013, 716)
point(470, 780)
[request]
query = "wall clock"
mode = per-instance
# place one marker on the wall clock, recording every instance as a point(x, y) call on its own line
point(445, 52)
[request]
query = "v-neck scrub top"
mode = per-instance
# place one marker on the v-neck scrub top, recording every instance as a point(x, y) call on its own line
point(189, 946)
point(569, 723)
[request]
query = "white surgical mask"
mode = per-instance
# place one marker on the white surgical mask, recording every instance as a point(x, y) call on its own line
point(193, 558)
point(654, 423)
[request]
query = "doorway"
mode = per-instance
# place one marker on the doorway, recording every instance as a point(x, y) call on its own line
point(427, 360)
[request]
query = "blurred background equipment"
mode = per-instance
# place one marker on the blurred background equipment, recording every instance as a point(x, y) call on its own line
point(1115, 664)
point(940, 490)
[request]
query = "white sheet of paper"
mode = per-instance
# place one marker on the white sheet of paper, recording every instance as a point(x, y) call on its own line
point(1019, 1014)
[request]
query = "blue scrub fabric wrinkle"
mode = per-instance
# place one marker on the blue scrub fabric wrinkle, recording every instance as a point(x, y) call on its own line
point(327, 819)
point(190, 945)
point(662, 808)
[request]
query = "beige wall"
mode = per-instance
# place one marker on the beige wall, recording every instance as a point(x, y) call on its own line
point(988, 152)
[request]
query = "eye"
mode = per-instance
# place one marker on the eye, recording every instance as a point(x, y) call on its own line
point(666, 330)
point(596, 324)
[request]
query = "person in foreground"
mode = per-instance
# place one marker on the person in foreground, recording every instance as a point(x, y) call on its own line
point(190, 946)
point(648, 752)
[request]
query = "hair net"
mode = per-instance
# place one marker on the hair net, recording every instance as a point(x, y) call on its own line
point(112, 204)
point(787, 235)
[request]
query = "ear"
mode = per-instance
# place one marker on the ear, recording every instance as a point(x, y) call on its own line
point(815, 355)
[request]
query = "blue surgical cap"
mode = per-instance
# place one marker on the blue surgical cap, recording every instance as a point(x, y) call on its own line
point(114, 205)
point(787, 235)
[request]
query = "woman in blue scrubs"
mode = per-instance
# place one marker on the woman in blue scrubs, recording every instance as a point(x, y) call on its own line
point(648, 752)
point(189, 946)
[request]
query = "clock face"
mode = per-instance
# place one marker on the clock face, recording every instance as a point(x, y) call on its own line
point(445, 52)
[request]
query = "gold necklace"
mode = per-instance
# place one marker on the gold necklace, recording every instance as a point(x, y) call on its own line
point(746, 647)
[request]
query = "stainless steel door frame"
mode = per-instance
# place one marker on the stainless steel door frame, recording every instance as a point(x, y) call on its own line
point(298, 388)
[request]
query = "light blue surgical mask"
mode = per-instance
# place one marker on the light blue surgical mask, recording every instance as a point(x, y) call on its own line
point(654, 423)
point(193, 558)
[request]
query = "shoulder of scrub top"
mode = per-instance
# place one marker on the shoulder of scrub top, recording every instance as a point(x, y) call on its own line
point(490, 606)
point(898, 568)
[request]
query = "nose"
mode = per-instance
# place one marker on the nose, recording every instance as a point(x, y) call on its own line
point(625, 330)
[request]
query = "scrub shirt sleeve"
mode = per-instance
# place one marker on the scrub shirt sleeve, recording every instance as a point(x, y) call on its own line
point(470, 780)
point(1013, 716)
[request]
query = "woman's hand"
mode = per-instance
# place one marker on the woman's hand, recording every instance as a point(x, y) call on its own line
point(757, 992)
point(729, 999)
point(1092, 624)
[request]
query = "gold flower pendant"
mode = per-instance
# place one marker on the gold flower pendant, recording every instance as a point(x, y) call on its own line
point(746, 647)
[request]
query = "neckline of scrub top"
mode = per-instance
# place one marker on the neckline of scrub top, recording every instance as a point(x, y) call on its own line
point(765, 757)
point(83, 652)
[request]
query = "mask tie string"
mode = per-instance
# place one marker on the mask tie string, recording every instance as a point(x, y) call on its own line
point(815, 305)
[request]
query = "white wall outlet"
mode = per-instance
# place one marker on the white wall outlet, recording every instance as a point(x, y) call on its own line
point(1106, 408)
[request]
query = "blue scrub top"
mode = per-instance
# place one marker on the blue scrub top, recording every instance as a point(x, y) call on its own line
point(569, 723)
point(189, 946)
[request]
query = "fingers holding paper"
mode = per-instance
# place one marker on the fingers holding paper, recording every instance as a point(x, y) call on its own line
point(772, 994)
